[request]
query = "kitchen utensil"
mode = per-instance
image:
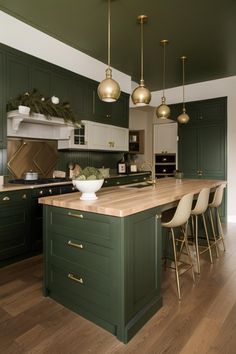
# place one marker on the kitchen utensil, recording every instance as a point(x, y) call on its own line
point(31, 176)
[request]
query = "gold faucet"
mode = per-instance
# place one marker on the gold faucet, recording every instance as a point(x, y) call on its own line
point(151, 167)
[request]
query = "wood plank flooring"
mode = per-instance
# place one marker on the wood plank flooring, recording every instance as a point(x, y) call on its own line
point(203, 323)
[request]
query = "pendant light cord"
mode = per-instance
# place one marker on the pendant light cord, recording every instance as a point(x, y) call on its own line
point(141, 35)
point(183, 59)
point(164, 67)
point(109, 35)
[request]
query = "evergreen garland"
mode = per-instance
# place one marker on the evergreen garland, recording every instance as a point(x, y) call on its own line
point(38, 104)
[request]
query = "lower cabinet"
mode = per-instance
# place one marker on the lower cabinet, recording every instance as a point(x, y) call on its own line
point(14, 224)
point(108, 269)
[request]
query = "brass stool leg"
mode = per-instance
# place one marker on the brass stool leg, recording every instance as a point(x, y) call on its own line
point(176, 263)
point(187, 249)
point(196, 244)
point(220, 229)
point(207, 237)
point(214, 233)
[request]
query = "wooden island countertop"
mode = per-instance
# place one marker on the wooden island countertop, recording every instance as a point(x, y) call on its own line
point(126, 200)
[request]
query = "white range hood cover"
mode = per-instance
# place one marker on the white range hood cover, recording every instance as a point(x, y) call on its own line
point(37, 126)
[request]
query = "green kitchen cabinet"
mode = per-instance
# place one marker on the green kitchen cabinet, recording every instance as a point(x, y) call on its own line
point(14, 224)
point(105, 268)
point(3, 123)
point(40, 79)
point(202, 141)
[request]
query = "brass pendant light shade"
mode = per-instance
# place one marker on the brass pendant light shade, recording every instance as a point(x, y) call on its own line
point(108, 89)
point(141, 95)
point(163, 111)
point(183, 118)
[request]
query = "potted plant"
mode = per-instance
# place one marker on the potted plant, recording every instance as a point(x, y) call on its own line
point(34, 102)
point(88, 181)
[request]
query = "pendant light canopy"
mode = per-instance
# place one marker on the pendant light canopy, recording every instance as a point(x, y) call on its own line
point(141, 95)
point(109, 90)
point(163, 111)
point(183, 118)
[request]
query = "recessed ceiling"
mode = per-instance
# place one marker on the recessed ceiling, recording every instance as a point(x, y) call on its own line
point(203, 30)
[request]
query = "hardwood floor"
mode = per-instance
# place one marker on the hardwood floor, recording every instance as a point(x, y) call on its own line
point(204, 322)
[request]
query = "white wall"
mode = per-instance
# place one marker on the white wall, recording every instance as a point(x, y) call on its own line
point(21, 36)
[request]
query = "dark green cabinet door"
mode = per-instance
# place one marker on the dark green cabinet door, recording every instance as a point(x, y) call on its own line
point(102, 111)
point(81, 98)
point(41, 80)
point(120, 111)
point(14, 224)
point(188, 151)
point(18, 76)
point(212, 154)
point(60, 87)
point(3, 122)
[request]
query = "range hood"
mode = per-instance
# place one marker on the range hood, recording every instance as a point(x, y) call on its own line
point(37, 126)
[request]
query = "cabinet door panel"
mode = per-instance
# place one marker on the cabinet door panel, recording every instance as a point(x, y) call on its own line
point(188, 151)
point(60, 87)
point(41, 80)
point(18, 76)
point(2, 101)
point(165, 138)
point(120, 111)
point(212, 151)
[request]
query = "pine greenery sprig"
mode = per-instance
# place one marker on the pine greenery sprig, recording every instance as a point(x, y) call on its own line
point(38, 104)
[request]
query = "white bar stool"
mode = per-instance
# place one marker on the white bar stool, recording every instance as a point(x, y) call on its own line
point(199, 209)
point(216, 224)
point(180, 219)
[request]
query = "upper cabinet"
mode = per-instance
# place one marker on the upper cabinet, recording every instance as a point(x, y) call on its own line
point(97, 136)
point(25, 72)
point(3, 122)
point(165, 138)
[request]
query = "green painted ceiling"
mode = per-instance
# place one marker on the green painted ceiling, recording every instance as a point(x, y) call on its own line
point(203, 30)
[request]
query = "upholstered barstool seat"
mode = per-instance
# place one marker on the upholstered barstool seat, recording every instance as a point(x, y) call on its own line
point(199, 209)
point(180, 219)
point(216, 225)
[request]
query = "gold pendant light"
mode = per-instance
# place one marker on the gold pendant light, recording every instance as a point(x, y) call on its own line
point(183, 118)
point(108, 89)
point(141, 95)
point(163, 111)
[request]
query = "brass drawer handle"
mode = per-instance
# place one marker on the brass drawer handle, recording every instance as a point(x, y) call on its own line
point(5, 199)
point(158, 216)
point(76, 215)
point(24, 196)
point(117, 182)
point(72, 277)
point(77, 245)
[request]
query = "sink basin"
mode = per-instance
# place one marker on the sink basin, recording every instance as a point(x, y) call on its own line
point(138, 185)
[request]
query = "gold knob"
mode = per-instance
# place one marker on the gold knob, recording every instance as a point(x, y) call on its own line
point(24, 196)
point(41, 192)
point(50, 191)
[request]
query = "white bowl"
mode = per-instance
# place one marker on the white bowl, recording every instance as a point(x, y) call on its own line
point(88, 188)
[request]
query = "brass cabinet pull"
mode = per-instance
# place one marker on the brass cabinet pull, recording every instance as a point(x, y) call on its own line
point(24, 196)
point(5, 199)
point(78, 280)
point(77, 245)
point(118, 182)
point(158, 216)
point(76, 215)
point(199, 172)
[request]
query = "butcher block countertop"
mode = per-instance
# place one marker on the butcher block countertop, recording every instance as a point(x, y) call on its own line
point(127, 200)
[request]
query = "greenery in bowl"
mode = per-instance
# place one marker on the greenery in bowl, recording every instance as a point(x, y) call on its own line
point(48, 106)
point(89, 173)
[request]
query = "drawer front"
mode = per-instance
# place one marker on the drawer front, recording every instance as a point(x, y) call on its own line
point(9, 198)
point(83, 254)
point(85, 290)
point(165, 169)
point(83, 226)
point(126, 180)
point(165, 158)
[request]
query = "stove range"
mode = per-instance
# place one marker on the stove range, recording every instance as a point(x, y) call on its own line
point(38, 181)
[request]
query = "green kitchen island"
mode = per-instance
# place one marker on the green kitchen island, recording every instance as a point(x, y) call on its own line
point(102, 258)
